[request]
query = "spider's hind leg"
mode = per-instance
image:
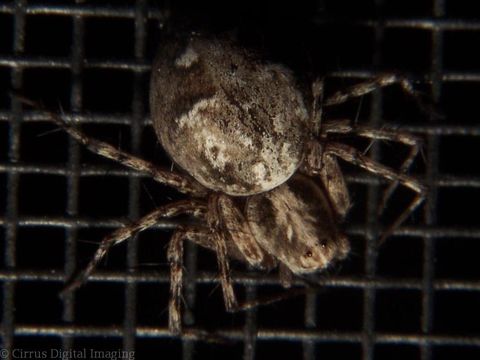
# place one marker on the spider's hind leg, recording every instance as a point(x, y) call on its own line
point(181, 207)
point(164, 176)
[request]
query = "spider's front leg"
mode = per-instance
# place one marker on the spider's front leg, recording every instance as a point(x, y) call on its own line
point(378, 82)
point(208, 239)
point(175, 258)
point(412, 141)
point(356, 157)
point(228, 234)
point(369, 86)
point(231, 234)
point(318, 163)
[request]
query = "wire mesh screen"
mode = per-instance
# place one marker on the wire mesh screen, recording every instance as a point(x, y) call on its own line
point(416, 296)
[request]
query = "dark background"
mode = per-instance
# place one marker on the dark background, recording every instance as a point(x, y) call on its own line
point(415, 297)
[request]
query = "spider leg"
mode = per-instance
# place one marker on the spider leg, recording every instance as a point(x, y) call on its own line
point(369, 86)
point(317, 103)
point(285, 275)
point(231, 236)
point(164, 176)
point(175, 258)
point(234, 226)
point(225, 275)
point(356, 157)
point(318, 163)
point(210, 240)
point(414, 142)
point(234, 230)
point(381, 81)
point(204, 238)
point(193, 207)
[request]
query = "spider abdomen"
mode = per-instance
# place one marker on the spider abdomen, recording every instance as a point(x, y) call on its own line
point(233, 122)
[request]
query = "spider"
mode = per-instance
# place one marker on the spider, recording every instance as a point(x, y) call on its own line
point(283, 211)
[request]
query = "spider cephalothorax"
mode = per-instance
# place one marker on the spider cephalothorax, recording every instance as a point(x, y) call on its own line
point(259, 167)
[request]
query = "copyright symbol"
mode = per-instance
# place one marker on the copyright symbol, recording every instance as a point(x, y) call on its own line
point(3, 353)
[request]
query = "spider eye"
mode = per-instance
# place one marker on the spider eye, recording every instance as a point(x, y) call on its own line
point(309, 254)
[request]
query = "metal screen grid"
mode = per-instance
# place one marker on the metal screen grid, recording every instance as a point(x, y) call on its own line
point(29, 286)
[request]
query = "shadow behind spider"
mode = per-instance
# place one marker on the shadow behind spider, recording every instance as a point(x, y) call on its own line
point(294, 226)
